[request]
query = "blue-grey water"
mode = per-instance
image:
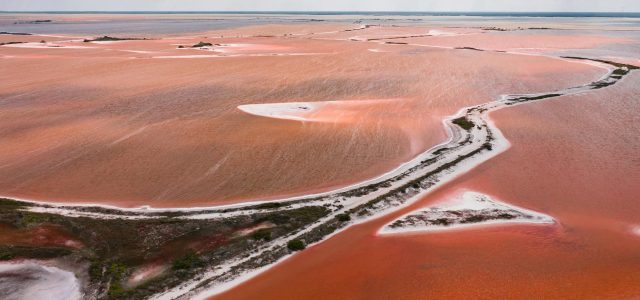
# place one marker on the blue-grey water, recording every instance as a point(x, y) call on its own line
point(192, 22)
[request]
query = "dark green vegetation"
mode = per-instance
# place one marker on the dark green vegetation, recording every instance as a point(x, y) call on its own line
point(13, 33)
point(262, 234)
point(343, 217)
point(398, 37)
point(33, 22)
point(107, 38)
point(295, 245)
point(495, 29)
point(189, 261)
point(202, 44)
point(451, 217)
point(488, 216)
point(464, 123)
point(11, 252)
point(11, 43)
point(608, 62)
point(468, 48)
point(114, 249)
point(617, 74)
point(514, 29)
point(531, 98)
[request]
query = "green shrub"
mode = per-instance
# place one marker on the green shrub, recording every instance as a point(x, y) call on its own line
point(296, 245)
point(189, 261)
point(442, 221)
point(202, 44)
point(474, 219)
point(343, 217)
point(116, 290)
point(506, 216)
point(464, 123)
point(5, 255)
point(262, 234)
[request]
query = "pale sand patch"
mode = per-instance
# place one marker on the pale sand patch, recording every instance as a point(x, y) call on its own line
point(297, 111)
point(240, 55)
point(250, 230)
point(35, 45)
point(322, 111)
point(187, 56)
point(30, 280)
point(145, 273)
point(468, 209)
point(241, 47)
point(437, 32)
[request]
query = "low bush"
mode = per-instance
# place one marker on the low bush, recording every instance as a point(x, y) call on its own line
point(464, 123)
point(190, 260)
point(262, 234)
point(343, 217)
point(296, 245)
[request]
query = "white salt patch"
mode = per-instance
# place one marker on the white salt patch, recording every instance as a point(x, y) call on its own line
point(34, 45)
point(30, 280)
point(105, 42)
point(436, 32)
point(188, 56)
point(145, 273)
point(287, 111)
point(138, 51)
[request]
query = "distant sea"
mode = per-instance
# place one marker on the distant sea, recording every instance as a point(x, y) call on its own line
point(202, 21)
point(364, 13)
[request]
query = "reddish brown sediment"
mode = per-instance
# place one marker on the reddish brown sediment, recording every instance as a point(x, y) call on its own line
point(103, 125)
point(573, 157)
point(39, 236)
point(159, 260)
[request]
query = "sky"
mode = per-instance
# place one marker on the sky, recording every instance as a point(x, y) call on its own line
point(325, 5)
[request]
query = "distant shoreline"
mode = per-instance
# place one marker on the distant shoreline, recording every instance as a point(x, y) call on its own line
point(360, 13)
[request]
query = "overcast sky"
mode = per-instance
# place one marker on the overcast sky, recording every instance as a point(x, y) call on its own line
point(330, 5)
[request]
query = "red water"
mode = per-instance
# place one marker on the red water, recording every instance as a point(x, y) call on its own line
point(102, 125)
point(574, 158)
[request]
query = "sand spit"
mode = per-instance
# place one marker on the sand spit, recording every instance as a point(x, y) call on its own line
point(468, 210)
point(31, 280)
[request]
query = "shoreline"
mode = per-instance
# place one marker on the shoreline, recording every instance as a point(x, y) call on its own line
point(367, 200)
point(465, 200)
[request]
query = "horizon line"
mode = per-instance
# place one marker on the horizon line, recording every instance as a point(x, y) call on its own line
point(315, 11)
